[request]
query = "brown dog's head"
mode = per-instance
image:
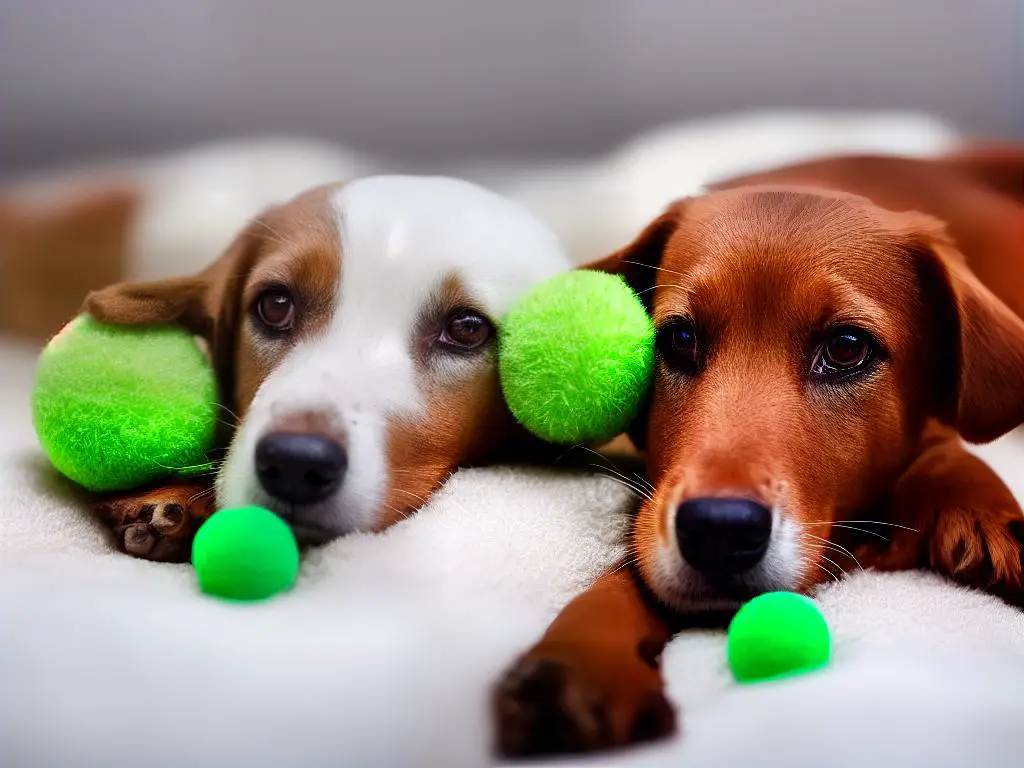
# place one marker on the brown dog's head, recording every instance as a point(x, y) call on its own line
point(353, 333)
point(804, 340)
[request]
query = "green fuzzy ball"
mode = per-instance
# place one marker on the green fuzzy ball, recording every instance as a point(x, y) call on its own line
point(775, 635)
point(576, 356)
point(117, 407)
point(245, 553)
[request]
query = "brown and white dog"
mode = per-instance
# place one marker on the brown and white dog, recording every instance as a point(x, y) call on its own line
point(353, 333)
point(826, 334)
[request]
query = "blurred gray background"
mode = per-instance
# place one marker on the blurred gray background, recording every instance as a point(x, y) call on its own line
point(432, 79)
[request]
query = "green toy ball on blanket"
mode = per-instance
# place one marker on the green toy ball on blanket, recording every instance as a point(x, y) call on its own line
point(576, 356)
point(775, 635)
point(117, 407)
point(245, 553)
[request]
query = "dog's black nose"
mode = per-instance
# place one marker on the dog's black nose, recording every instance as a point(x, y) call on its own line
point(300, 468)
point(723, 537)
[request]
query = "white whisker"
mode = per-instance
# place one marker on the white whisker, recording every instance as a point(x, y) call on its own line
point(835, 546)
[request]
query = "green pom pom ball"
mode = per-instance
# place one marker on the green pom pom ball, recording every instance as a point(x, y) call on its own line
point(117, 407)
point(776, 635)
point(576, 356)
point(245, 553)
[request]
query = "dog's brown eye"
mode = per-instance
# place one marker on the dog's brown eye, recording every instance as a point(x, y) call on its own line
point(276, 309)
point(845, 351)
point(677, 342)
point(466, 329)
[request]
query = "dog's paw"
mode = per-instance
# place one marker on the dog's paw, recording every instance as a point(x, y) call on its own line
point(158, 524)
point(981, 549)
point(544, 705)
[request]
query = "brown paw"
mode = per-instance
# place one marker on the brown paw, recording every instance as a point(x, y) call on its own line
point(549, 706)
point(982, 550)
point(158, 524)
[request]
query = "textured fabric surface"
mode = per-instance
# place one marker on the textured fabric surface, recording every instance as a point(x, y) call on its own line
point(383, 653)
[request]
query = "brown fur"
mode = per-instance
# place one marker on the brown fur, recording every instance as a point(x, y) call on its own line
point(759, 265)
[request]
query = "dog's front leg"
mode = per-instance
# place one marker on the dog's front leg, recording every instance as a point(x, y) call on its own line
point(957, 517)
point(593, 681)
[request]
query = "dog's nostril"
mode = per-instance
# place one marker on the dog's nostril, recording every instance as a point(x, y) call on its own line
point(300, 468)
point(723, 536)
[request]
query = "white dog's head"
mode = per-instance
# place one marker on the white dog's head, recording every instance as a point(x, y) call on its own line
point(353, 331)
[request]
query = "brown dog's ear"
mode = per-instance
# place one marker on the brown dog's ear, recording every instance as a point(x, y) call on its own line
point(980, 350)
point(638, 262)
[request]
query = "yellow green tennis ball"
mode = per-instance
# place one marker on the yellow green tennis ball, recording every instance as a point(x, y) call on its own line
point(776, 635)
point(117, 407)
point(245, 553)
point(576, 356)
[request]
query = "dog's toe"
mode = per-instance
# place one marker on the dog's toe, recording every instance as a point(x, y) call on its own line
point(138, 539)
point(158, 524)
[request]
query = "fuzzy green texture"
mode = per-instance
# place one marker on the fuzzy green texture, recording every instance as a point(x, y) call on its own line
point(576, 356)
point(245, 553)
point(777, 635)
point(116, 407)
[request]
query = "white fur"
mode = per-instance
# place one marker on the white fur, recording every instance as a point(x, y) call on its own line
point(401, 237)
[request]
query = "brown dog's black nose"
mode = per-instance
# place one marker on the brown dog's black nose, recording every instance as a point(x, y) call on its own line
point(300, 468)
point(723, 537)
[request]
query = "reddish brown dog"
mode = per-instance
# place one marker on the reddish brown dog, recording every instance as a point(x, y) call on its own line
point(822, 346)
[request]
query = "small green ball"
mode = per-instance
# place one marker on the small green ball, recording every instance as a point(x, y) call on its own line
point(776, 635)
point(245, 553)
point(576, 356)
point(117, 407)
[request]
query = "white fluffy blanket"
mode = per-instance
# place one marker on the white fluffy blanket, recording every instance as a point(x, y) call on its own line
point(383, 653)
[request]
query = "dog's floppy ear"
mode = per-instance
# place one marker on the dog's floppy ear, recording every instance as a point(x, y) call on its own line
point(639, 264)
point(980, 344)
point(207, 304)
point(177, 300)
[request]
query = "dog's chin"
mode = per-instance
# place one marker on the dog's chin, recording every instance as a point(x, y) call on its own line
point(690, 592)
point(314, 524)
point(313, 535)
point(708, 597)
